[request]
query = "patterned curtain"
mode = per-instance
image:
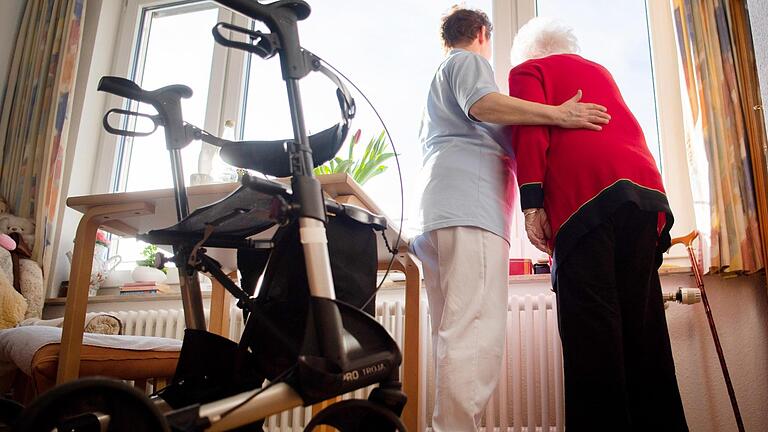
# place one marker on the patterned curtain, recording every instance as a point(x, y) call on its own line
point(35, 115)
point(716, 139)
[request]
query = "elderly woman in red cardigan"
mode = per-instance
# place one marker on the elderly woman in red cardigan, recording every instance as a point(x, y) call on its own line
point(595, 200)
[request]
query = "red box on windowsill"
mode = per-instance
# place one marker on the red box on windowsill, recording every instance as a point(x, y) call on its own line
point(520, 266)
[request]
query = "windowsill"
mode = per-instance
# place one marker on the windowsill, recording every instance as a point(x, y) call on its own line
point(392, 285)
point(61, 301)
point(531, 278)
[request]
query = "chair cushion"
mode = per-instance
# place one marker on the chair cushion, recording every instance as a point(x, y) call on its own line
point(111, 362)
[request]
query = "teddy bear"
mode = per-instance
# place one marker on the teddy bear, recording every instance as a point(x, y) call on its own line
point(14, 224)
point(4, 207)
point(23, 274)
point(13, 305)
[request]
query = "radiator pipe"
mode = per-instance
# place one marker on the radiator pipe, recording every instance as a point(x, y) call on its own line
point(697, 274)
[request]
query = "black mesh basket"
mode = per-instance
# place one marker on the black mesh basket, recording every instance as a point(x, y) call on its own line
point(212, 367)
point(275, 332)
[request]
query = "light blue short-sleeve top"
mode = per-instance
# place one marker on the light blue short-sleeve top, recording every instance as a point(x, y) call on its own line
point(466, 175)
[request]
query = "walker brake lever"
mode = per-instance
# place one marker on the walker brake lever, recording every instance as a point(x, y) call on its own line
point(155, 119)
point(265, 46)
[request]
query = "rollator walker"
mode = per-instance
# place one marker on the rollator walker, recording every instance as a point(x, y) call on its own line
point(309, 332)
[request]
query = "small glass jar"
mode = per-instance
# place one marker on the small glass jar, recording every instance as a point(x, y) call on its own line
point(541, 267)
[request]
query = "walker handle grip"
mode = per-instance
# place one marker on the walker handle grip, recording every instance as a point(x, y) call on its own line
point(264, 45)
point(156, 121)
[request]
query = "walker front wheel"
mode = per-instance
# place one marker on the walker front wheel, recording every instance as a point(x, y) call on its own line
point(92, 404)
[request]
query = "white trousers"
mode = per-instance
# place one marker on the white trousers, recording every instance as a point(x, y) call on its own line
point(465, 273)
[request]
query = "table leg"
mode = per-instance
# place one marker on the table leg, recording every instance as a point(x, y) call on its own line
point(79, 279)
point(411, 347)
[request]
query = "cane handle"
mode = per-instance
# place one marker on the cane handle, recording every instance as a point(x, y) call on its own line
point(687, 240)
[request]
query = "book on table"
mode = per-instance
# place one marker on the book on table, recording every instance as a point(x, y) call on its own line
point(137, 288)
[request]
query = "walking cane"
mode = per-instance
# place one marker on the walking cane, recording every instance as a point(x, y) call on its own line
point(697, 273)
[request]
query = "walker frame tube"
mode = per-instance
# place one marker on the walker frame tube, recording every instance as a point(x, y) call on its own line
point(189, 284)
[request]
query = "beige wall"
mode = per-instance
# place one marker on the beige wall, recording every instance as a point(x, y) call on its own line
point(740, 307)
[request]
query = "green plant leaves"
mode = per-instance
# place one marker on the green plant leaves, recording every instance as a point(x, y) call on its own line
point(149, 256)
point(372, 163)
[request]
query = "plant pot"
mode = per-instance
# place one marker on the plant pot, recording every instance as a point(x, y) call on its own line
point(148, 274)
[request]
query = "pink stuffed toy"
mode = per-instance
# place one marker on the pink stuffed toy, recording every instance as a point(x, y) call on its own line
point(6, 242)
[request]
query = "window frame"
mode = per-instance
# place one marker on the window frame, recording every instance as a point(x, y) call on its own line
point(674, 158)
point(227, 91)
point(224, 92)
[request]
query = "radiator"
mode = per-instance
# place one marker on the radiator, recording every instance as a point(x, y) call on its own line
point(170, 323)
point(529, 397)
point(167, 323)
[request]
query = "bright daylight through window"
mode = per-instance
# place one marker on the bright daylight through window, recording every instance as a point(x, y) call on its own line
point(393, 64)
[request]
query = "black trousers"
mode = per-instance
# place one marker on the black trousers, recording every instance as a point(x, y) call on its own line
point(619, 371)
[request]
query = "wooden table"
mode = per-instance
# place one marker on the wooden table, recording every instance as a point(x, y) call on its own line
point(129, 213)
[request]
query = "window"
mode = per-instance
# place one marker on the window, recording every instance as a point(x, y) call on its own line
point(174, 46)
point(390, 58)
point(392, 63)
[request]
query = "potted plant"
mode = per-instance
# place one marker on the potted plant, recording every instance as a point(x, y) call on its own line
point(145, 270)
point(370, 165)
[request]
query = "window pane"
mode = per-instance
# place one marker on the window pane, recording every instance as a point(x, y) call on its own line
point(177, 49)
point(390, 50)
point(615, 34)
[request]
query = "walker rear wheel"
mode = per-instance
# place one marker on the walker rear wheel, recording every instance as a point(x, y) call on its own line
point(92, 404)
point(357, 415)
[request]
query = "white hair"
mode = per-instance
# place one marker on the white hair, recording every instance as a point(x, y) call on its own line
point(540, 37)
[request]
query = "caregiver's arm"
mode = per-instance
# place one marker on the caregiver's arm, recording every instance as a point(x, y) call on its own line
point(501, 109)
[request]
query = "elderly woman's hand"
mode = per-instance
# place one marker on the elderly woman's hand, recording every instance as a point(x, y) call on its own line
point(538, 229)
point(576, 115)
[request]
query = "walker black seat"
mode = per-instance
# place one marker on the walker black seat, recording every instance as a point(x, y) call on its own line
point(245, 212)
point(128, 89)
point(271, 157)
